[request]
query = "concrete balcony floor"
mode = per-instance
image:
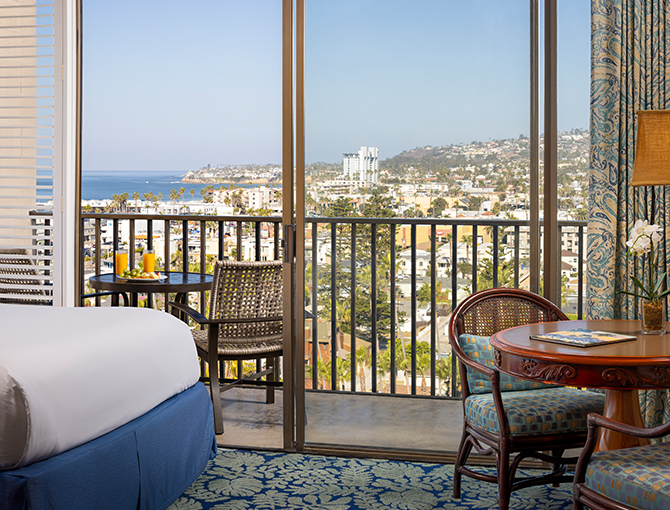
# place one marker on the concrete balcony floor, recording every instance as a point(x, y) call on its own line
point(344, 419)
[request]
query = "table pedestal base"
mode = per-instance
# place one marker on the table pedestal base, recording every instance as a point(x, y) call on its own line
point(623, 406)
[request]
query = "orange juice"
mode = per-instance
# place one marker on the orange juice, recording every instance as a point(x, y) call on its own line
point(121, 261)
point(149, 261)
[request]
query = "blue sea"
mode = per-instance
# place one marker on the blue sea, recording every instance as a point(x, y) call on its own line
point(105, 184)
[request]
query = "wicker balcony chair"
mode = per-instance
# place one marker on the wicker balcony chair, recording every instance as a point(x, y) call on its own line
point(626, 479)
point(17, 278)
point(245, 323)
point(513, 419)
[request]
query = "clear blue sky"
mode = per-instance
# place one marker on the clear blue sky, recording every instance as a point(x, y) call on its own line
point(173, 85)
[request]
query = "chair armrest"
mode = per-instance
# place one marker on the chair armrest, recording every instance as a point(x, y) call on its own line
point(195, 314)
point(106, 293)
point(201, 319)
point(475, 365)
point(594, 422)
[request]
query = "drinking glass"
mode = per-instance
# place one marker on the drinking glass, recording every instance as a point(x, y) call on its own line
point(121, 261)
point(149, 261)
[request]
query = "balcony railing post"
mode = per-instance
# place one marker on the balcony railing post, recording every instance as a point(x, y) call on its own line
point(315, 320)
point(373, 305)
point(474, 258)
point(394, 370)
point(454, 266)
point(517, 264)
point(433, 305)
point(413, 309)
point(185, 259)
point(257, 231)
point(580, 274)
point(333, 305)
point(352, 308)
point(496, 261)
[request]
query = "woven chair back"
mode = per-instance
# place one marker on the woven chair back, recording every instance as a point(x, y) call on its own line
point(494, 314)
point(15, 262)
point(247, 290)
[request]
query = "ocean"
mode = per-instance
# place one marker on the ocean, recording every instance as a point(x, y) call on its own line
point(105, 184)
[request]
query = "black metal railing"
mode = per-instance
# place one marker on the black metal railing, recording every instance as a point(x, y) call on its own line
point(354, 339)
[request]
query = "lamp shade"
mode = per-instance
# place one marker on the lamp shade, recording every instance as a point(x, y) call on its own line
point(652, 151)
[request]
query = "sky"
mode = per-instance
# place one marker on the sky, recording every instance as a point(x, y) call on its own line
point(175, 85)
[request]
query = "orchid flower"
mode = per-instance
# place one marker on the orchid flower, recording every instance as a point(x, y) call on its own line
point(644, 239)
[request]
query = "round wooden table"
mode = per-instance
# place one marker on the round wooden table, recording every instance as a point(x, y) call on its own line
point(621, 368)
point(178, 282)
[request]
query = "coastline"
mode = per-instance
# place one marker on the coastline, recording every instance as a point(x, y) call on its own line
point(213, 180)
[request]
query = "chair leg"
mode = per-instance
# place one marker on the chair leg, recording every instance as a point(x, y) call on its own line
point(463, 453)
point(556, 466)
point(215, 391)
point(504, 480)
point(269, 389)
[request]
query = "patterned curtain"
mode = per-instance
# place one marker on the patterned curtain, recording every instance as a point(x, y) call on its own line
point(630, 71)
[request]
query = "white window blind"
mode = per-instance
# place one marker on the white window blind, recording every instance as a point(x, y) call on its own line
point(27, 141)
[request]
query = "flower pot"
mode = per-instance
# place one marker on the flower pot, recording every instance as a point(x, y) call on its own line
point(653, 317)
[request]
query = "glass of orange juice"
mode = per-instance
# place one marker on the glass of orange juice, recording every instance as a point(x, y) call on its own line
point(149, 261)
point(121, 261)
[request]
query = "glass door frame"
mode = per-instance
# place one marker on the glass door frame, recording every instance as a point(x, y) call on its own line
point(293, 158)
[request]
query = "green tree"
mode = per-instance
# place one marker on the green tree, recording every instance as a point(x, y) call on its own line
point(437, 205)
point(362, 361)
point(485, 269)
point(342, 371)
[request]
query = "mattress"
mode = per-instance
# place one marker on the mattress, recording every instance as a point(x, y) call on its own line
point(70, 375)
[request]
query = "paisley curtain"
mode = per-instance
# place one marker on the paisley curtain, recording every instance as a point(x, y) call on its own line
point(630, 71)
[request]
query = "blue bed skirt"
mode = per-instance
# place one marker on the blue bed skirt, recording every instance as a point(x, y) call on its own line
point(145, 464)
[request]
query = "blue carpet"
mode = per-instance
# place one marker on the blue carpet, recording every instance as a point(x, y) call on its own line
point(242, 480)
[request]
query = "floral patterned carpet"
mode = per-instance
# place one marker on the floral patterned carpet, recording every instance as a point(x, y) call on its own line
point(243, 480)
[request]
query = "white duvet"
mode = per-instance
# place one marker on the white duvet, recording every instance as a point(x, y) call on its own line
point(69, 375)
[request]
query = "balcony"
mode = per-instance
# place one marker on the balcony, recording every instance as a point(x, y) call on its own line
point(383, 323)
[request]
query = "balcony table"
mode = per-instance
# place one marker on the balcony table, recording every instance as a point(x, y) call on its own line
point(178, 282)
point(621, 369)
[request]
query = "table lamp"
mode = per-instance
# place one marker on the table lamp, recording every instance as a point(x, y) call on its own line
point(652, 151)
point(652, 168)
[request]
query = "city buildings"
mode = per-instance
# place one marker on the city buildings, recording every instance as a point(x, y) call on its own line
point(362, 165)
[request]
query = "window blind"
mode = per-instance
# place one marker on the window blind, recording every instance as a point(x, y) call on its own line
point(27, 151)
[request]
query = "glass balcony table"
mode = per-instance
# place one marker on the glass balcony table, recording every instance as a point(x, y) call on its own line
point(174, 282)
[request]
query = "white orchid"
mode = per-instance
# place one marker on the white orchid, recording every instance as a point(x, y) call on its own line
point(644, 239)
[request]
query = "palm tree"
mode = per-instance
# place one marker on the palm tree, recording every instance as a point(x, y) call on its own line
point(362, 360)
point(323, 371)
point(192, 194)
point(148, 197)
point(383, 368)
point(423, 366)
point(174, 196)
point(443, 372)
point(468, 241)
point(342, 371)
point(342, 316)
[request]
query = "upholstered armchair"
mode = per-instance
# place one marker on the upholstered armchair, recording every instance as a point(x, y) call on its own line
point(625, 479)
point(512, 419)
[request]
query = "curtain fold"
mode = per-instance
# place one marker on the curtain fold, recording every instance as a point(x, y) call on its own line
point(630, 71)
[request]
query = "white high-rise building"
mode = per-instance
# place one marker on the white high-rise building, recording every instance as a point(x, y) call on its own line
point(362, 165)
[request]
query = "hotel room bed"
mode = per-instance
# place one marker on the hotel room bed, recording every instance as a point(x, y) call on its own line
point(99, 408)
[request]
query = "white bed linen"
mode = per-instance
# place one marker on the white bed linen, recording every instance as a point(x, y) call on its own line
point(69, 375)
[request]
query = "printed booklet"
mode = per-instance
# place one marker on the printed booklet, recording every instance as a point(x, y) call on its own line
point(582, 337)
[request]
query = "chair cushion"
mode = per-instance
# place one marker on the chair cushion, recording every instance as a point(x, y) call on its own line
point(637, 477)
point(536, 412)
point(479, 349)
